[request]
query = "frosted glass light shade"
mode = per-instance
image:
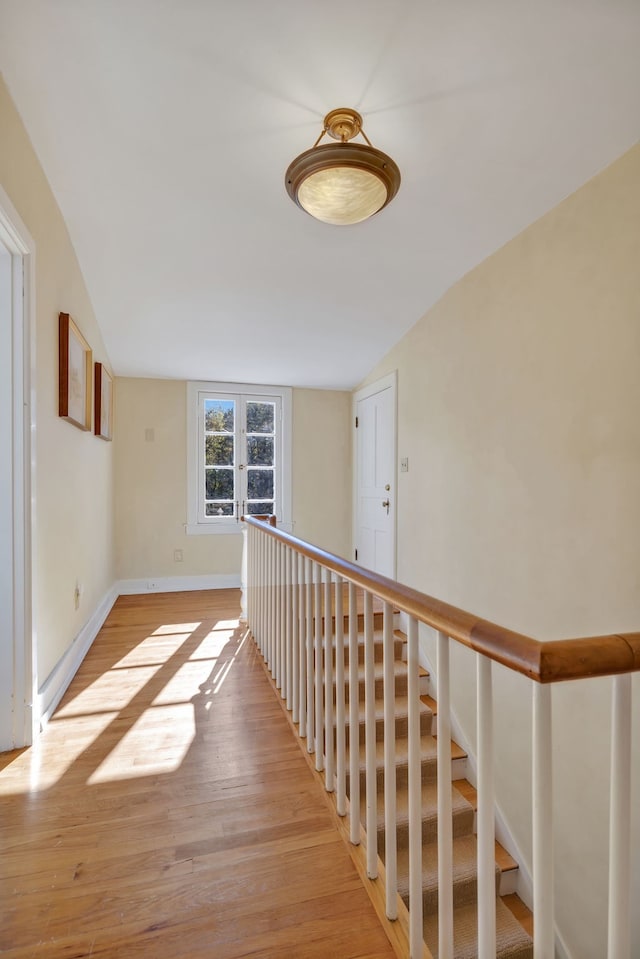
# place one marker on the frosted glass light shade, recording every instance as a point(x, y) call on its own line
point(342, 183)
point(342, 194)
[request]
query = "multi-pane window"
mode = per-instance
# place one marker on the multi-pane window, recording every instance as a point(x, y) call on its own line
point(260, 438)
point(242, 454)
point(219, 457)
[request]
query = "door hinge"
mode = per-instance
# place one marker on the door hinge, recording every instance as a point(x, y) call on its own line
point(356, 422)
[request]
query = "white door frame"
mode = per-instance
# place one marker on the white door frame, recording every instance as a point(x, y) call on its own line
point(385, 382)
point(16, 239)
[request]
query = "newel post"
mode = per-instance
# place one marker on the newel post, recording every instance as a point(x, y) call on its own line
point(243, 573)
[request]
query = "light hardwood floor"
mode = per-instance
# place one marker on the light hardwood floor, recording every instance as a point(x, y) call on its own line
point(167, 810)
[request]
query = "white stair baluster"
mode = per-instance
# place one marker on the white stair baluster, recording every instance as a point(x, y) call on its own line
point(271, 630)
point(341, 778)
point(389, 696)
point(309, 653)
point(619, 944)
point(330, 766)
point(288, 633)
point(295, 640)
point(281, 623)
point(415, 796)
point(302, 645)
point(370, 741)
point(354, 730)
point(319, 723)
point(276, 613)
point(486, 827)
point(445, 822)
point(543, 896)
point(261, 582)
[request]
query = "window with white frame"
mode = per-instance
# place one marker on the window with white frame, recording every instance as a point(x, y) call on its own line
point(239, 455)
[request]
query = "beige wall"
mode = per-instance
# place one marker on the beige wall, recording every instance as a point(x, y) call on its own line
point(73, 489)
point(519, 411)
point(322, 469)
point(151, 481)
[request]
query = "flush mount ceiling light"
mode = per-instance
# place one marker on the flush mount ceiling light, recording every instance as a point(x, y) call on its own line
point(342, 182)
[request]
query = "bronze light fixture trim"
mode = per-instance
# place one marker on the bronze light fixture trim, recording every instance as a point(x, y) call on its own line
point(342, 182)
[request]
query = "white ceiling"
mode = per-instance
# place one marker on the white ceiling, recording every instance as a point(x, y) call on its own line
point(165, 128)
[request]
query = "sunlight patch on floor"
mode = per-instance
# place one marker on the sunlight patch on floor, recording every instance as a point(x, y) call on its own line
point(171, 629)
point(105, 692)
point(226, 624)
point(224, 672)
point(213, 644)
point(184, 685)
point(155, 648)
point(156, 743)
point(53, 753)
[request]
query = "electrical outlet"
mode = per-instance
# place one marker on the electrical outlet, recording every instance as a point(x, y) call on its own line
point(404, 464)
point(177, 556)
point(153, 584)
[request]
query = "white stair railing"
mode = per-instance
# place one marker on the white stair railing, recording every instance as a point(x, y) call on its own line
point(294, 603)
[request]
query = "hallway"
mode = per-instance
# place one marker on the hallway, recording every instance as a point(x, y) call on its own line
point(167, 810)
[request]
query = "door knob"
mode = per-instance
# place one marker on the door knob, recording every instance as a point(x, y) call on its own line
point(387, 503)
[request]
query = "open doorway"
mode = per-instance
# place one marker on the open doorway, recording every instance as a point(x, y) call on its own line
point(17, 652)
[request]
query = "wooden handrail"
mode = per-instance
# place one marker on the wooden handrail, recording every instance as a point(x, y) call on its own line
point(544, 662)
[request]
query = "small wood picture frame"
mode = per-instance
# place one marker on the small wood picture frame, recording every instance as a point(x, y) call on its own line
point(103, 413)
point(74, 374)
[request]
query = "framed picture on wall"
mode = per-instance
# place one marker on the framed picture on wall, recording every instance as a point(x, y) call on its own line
point(74, 374)
point(103, 418)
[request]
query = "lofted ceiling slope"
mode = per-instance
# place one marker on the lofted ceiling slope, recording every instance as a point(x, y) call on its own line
point(165, 128)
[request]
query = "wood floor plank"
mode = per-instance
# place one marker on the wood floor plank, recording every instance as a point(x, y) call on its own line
point(167, 810)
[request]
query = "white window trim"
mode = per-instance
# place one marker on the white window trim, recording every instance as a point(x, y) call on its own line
point(194, 526)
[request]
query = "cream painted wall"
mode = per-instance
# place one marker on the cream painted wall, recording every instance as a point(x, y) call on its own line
point(151, 491)
point(151, 488)
point(519, 411)
point(73, 539)
point(322, 469)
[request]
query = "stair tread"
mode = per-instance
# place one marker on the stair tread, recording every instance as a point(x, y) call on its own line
point(378, 639)
point(430, 702)
point(428, 805)
point(457, 752)
point(513, 941)
point(427, 751)
point(428, 748)
point(401, 707)
point(523, 914)
point(469, 792)
point(400, 669)
point(464, 858)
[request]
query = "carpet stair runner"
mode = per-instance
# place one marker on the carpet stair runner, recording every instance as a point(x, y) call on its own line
point(513, 942)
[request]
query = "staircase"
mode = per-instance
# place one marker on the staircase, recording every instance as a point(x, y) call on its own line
point(288, 599)
point(513, 942)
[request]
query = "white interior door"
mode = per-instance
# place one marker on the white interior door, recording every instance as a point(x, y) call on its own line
point(375, 480)
point(7, 651)
point(18, 677)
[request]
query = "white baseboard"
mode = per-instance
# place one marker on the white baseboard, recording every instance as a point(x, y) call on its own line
point(175, 584)
point(562, 952)
point(56, 683)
